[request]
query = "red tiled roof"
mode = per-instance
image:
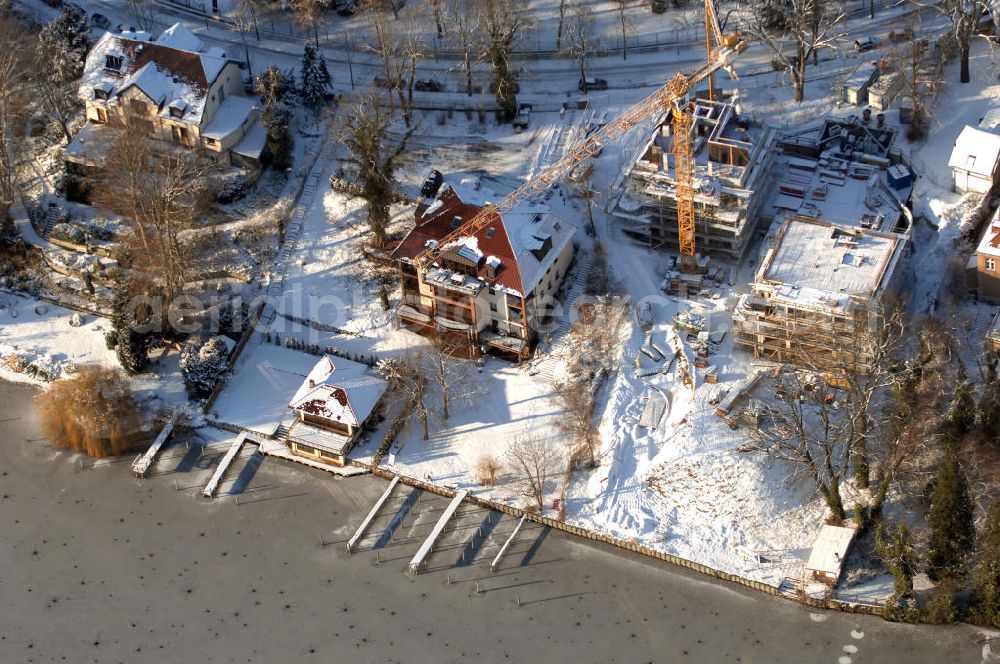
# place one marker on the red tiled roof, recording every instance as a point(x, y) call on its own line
point(439, 223)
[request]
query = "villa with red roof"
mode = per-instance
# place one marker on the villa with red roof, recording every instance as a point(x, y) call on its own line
point(491, 291)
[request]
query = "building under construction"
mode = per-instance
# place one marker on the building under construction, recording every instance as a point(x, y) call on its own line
point(731, 161)
point(820, 289)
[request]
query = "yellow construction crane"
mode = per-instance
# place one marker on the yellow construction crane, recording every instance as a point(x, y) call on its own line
point(670, 97)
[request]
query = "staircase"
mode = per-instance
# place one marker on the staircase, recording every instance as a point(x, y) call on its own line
point(281, 433)
point(293, 230)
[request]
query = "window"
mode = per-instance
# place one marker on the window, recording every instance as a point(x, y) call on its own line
point(102, 116)
point(113, 62)
point(490, 232)
point(991, 265)
point(100, 93)
point(180, 134)
point(456, 221)
point(138, 106)
point(176, 112)
point(211, 141)
point(222, 95)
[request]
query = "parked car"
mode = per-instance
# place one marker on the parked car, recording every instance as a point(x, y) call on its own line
point(428, 85)
point(100, 21)
point(522, 118)
point(432, 183)
point(592, 84)
point(864, 44)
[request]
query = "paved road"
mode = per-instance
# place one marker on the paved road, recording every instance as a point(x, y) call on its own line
point(96, 566)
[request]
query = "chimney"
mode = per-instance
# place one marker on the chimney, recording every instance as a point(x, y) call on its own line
point(312, 383)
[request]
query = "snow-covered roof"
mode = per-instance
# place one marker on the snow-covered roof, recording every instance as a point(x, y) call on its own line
point(816, 263)
point(989, 245)
point(520, 248)
point(229, 117)
point(175, 67)
point(976, 151)
point(348, 399)
point(991, 120)
point(830, 549)
point(252, 144)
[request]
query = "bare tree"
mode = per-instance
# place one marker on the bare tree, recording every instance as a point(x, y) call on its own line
point(487, 468)
point(454, 376)
point(309, 12)
point(576, 399)
point(160, 193)
point(503, 23)
point(532, 462)
point(836, 414)
point(14, 111)
point(621, 6)
point(374, 155)
point(408, 382)
point(963, 18)
point(808, 25)
point(244, 19)
point(559, 29)
point(464, 17)
point(438, 10)
point(581, 32)
point(142, 12)
point(400, 48)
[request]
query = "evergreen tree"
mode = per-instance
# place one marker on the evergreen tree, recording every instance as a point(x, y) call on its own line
point(64, 43)
point(896, 551)
point(383, 297)
point(962, 412)
point(131, 346)
point(315, 79)
point(987, 574)
point(951, 520)
point(276, 90)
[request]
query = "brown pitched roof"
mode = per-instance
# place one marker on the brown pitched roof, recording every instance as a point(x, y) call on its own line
point(440, 222)
point(180, 64)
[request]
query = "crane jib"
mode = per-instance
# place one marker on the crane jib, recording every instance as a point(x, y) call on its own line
point(658, 102)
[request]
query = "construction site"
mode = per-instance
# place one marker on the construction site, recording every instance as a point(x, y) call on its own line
point(731, 163)
point(820, 288)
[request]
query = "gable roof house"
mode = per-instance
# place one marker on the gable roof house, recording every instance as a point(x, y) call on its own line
point(975, 160)
point(183, 92)
point(486, 291)
point(332, 408)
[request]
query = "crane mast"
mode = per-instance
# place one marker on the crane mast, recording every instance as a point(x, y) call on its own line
point(669, 97)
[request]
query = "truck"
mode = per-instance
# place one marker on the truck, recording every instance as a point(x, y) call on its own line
point(522, 118)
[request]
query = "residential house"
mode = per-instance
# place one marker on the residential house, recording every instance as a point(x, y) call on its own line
point(826, 560)
point(182, 92)
point(975, 161)
point(988, 262)
point(332, 409)
point(487, 291)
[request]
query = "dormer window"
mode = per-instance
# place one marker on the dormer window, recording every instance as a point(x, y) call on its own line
point(177, 109)
point(101, 93)
point(490, 232)
point(456, 221)
point(113, 62)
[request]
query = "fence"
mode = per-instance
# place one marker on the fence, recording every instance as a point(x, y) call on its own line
point(628, 545)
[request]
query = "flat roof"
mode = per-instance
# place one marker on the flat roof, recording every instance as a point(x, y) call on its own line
point(816, 262)
point(830, 549)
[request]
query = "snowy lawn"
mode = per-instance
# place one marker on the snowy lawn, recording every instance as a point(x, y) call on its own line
point(264, 380)
point(41, 333)
point(509, 405)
